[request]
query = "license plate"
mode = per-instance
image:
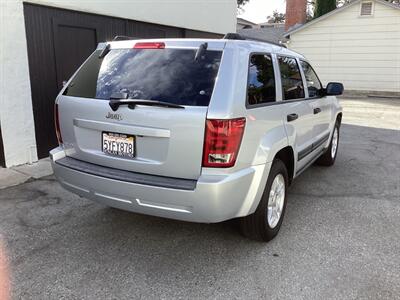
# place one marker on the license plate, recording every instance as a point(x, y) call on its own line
point(118, 144)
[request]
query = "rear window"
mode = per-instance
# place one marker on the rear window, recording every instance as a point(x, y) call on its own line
point(169, 75)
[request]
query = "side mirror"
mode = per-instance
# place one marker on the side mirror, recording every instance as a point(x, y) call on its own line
point(334, 89)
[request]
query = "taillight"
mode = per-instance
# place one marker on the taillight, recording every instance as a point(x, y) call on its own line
point(222, 142)
point(149, 45)
point(57, 124)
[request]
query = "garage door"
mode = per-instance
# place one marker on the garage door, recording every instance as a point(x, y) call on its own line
point(59, 41)
point(2, 160)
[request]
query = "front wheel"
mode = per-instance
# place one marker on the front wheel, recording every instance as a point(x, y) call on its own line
point(329, 157)
point(266, 221)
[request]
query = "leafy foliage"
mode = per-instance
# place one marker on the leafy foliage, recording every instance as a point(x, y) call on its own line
point(276, 17)
point(324, 6)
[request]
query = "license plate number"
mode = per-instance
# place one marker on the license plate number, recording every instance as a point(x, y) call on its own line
point(118, 144)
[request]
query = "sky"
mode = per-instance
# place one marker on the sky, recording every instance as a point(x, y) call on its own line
point(257, 11)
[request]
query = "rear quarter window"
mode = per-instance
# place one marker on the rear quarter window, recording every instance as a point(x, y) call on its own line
point(169, 75)
point(261, 80)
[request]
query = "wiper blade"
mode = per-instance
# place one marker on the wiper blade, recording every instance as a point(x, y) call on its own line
point(115, 104)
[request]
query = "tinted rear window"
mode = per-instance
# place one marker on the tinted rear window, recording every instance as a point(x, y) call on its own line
point(169, 75)
point(261, 80)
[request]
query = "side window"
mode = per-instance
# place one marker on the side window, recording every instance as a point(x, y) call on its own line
point(261, 80)
point(314, 86)
point(292, 83)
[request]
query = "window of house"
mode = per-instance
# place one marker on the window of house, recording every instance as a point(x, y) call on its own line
point(292, 83)
point(366, 8)
point(314, 86)
point(261, 80)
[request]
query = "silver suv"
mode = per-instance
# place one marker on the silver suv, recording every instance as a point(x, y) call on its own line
point(196, 130)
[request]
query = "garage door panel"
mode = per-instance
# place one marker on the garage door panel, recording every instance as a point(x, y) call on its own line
point(41, 55)
point(2, 159)
point(72, 43)
point(147, 30)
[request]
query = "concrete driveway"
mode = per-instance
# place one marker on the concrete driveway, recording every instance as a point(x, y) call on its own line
point(340, 238)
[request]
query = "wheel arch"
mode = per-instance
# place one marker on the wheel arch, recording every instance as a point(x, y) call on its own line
point(339, 118)
point(286, 155)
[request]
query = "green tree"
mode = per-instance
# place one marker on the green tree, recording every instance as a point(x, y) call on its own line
point(322, 7)
point(276, 17)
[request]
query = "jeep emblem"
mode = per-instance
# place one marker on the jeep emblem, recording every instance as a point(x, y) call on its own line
point(112, 116)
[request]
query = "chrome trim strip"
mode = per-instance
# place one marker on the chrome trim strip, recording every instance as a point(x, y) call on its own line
point(311, 148)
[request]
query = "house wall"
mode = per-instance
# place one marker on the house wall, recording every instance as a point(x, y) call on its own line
point(240, 26)
point(16, 115)
point(362, 52)
point(206, 15)
point(243, 23)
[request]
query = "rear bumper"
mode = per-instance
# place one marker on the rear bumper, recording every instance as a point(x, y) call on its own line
point(214, 198)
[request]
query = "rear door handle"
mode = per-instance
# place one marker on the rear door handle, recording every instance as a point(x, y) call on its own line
point(292, 117)
point(317, 110)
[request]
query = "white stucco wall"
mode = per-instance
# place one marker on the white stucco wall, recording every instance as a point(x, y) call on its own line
point(363, 52)
point(217, 16)
point(16, 115)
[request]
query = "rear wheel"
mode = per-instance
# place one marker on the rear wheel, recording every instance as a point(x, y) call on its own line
point(329, 157)
point(266, 221)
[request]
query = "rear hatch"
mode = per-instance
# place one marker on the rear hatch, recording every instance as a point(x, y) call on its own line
point(159, 94)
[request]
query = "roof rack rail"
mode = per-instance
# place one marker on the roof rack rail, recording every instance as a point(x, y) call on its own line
point(237, 36)
point(123, 38)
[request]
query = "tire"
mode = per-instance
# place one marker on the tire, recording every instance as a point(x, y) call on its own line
point(258, 225)
point(328, 158)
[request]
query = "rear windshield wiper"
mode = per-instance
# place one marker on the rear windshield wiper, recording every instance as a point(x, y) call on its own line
point(201, 52)
point(116, 103)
